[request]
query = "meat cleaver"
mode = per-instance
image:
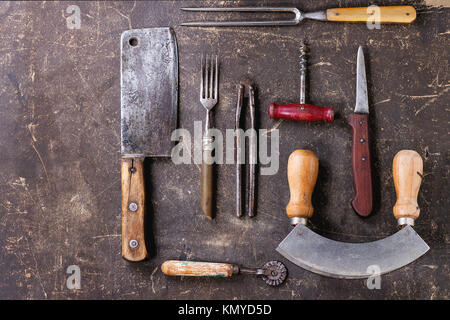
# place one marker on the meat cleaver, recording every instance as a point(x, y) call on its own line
point(149, 96)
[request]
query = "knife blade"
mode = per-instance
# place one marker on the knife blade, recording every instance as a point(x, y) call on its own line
point(362, 101)
point(361, 164)
point(149, 97)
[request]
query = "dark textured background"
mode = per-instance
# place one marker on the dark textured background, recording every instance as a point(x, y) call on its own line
point(60, 150)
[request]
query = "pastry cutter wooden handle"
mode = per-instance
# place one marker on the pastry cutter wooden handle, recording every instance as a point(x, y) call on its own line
point(273, 272)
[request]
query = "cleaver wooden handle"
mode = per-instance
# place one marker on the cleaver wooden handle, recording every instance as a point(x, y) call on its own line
point(407, 172)
point(362, 171)
point(133, 209)
point(387, 14)
point(303, 168)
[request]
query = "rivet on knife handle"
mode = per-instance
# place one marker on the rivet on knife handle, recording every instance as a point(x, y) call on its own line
point(133, 209)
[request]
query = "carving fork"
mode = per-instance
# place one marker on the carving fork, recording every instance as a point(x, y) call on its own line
point(370, 15)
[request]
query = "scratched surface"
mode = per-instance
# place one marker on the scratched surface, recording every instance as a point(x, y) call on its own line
point(60, 150)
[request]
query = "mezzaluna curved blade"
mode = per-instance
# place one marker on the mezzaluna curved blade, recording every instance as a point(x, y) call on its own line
point(327, 257)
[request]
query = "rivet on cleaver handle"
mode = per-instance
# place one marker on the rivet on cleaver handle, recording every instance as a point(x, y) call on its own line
point(149, 97)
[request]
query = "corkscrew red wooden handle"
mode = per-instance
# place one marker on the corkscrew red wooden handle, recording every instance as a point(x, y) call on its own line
point(301, 112)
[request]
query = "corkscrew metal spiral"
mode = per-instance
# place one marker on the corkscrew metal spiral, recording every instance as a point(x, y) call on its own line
point(303, 62)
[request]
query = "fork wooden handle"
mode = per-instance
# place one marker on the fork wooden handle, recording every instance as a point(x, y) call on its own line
point(207, 178)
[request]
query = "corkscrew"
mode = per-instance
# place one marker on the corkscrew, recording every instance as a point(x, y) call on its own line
point(301, 112)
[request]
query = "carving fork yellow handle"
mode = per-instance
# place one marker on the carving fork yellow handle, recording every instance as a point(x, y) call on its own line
point(373, 14)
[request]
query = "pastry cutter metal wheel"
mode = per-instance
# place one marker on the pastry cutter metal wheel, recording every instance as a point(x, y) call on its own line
point(273, 272)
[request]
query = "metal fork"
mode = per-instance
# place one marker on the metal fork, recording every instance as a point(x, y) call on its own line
point(209, 89)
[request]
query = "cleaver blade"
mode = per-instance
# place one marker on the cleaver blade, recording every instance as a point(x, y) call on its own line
point(149, 99)
point(149, 95)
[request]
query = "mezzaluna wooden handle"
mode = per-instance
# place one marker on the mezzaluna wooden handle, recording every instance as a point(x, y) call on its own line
point(133, 209)
point(301, 112)
point(388, 14)
point(362, 171)
point(407, 171)
point(197, 269)
point(303, 168)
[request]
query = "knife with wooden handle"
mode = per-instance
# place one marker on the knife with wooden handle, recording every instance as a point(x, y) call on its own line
point(149, 100)
point(362, 171)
